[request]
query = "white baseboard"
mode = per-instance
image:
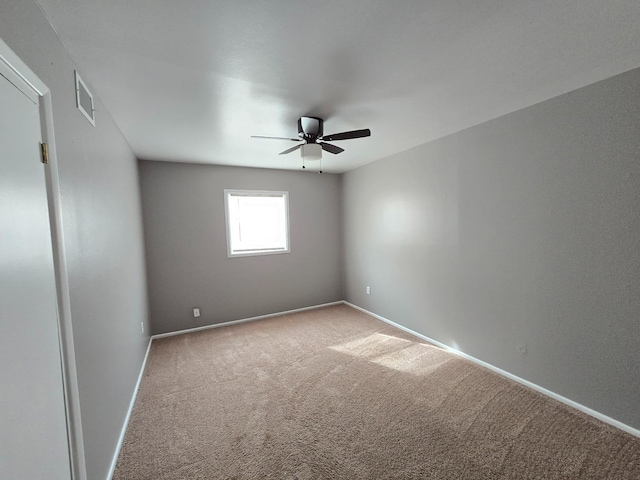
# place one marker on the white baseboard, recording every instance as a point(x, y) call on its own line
point(611, 421)
point(243, 320)
point(126, 419)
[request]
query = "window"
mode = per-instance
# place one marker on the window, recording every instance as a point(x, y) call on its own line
point(257, 222)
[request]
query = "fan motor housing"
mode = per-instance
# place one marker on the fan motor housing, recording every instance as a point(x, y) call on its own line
point(310, 128)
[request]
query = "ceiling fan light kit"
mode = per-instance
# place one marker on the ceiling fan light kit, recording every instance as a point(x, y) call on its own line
point(311, 151)
point(311, 132)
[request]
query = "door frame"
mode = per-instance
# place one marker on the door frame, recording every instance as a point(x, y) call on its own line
point(11, 64)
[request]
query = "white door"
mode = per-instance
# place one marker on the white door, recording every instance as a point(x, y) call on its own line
point(33, 429)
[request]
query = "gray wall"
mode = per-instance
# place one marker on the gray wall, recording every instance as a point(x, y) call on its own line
point(186, 245)
point(103, 237)
point(524, 230)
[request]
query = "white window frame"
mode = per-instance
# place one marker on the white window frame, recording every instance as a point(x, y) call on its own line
point(256, 193)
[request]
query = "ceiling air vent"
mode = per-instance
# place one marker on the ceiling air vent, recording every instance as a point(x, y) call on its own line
point(84, 100)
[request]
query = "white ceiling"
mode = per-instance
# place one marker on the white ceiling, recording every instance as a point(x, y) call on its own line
point(192, 80)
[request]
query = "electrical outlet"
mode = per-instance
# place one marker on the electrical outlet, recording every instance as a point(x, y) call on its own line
point(368, 290)
point(142, 327)
point(196, 312)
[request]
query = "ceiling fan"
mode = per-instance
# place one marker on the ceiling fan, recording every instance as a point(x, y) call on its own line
point(313, 140)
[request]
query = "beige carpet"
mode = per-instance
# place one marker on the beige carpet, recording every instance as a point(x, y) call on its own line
point(334, 393)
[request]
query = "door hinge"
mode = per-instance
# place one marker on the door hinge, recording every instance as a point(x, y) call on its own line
point(44, 152)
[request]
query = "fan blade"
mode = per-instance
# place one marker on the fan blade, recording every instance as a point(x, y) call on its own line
point(292, 149)
point(277, 138)
point(331, 148)
point(347, 135)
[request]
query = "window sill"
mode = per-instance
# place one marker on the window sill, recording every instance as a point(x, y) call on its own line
point(254, 253)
